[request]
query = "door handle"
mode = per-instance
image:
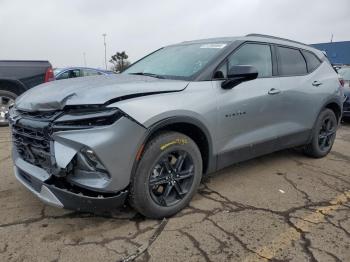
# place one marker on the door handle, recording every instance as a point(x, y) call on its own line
point(316, 83)
point(274, 91)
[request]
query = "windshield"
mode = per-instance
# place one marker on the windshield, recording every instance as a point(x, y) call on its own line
point(177, 62)
point(344, 73)
point(56, 71)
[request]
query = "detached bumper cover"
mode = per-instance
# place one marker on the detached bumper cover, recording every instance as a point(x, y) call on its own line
point(36, 181)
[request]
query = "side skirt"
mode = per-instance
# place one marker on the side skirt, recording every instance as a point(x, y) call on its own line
point(255, 150)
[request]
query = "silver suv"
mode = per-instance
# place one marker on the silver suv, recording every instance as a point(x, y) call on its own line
point(149, 134)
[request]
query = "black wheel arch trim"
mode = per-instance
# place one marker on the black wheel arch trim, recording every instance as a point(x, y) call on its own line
point(333, 100)
point(212, 159)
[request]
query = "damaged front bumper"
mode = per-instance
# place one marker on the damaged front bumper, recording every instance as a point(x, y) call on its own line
point(38, 182)
point(57, 170)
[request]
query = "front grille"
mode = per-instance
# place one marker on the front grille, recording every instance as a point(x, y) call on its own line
point(39, 115)
point(32, 142)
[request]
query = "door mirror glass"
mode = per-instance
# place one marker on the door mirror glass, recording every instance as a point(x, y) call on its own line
point(238, 74)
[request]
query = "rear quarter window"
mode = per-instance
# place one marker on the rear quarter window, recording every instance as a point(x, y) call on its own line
point(312, 61)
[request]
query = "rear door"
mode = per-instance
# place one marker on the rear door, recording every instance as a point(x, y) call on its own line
point(297, 80)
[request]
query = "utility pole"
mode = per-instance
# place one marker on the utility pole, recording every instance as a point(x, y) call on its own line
point(84, 56)
point(332, 38)
point(104, 42)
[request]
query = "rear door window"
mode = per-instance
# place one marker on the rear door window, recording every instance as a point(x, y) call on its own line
point(290, 62)
point(312, 61)
point(89, 72)
point(74, 73)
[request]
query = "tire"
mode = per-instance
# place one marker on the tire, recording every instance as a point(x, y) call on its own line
point(152, 180)
point(6, 98)
point(323, 136)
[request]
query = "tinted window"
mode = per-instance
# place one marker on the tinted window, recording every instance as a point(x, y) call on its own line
point(69, 74)
point(312, 61)
point(291, 62)
point(256, 55)
point(221, 72)
point(87, 72)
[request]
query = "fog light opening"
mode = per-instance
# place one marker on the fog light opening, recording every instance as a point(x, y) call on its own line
point(88, 160)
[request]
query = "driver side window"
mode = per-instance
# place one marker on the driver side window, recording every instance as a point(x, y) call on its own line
point(257, 55)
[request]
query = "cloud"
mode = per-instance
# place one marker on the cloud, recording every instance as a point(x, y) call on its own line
point(61, 31)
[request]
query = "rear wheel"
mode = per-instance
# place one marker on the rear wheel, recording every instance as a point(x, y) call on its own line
point(323, 135)
point(6, 99)
point(167, 175)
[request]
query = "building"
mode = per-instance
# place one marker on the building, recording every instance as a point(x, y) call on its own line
point(337, 52)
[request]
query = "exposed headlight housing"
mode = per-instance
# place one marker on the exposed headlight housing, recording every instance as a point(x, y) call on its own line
point(87, 118)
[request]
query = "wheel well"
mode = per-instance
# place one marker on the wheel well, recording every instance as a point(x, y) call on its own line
point(195, 133)
point(335, 108)
point(11, 86)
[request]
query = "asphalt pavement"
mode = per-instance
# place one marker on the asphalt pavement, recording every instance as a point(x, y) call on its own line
point(280, 207)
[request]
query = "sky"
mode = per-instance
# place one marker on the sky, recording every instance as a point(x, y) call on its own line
point(62, 31)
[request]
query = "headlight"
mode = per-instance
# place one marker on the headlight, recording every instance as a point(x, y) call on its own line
point(87, 118)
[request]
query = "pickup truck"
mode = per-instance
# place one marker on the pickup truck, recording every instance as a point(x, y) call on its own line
point(16, 77)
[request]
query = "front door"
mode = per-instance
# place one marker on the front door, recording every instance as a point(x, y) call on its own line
point(250, 114)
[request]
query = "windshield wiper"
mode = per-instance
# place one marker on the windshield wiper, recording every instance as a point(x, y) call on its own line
point(148, 74)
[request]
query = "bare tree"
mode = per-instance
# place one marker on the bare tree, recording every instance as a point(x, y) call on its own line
point(119, 61)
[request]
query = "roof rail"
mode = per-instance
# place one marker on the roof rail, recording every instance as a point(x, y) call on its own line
point(277, 38)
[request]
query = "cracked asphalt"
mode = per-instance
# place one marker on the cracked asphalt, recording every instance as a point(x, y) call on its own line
point(280, 207)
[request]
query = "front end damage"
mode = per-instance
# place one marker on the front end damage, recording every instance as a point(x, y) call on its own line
point(77, 158)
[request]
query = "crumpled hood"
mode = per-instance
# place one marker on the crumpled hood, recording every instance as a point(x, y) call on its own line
point(93, 90)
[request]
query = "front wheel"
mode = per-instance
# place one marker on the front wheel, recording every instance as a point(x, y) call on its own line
point(167, 176)
point(323, 135)
point(7, 98)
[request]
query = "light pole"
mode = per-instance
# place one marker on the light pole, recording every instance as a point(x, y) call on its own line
point(84, 56)
point(104, 42)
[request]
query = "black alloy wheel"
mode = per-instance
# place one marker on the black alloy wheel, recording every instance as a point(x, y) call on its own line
point(323, 134)
point(327, 133)
point(6, 100)
point(171, 178)
point(167, 176)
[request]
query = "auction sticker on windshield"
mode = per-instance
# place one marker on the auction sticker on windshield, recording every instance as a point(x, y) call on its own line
point(213, 46)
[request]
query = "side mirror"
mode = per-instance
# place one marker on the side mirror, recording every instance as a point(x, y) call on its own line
point(238, 74)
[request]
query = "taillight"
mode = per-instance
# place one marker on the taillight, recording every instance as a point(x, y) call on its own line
point(49, 75)
point(342, 82)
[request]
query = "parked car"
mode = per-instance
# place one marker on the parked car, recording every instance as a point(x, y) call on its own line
point(18, 76)
point(150, 133)
point(73, 72)
point(344, 73)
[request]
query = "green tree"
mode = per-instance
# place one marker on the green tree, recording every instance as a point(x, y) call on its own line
point(119, 61)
